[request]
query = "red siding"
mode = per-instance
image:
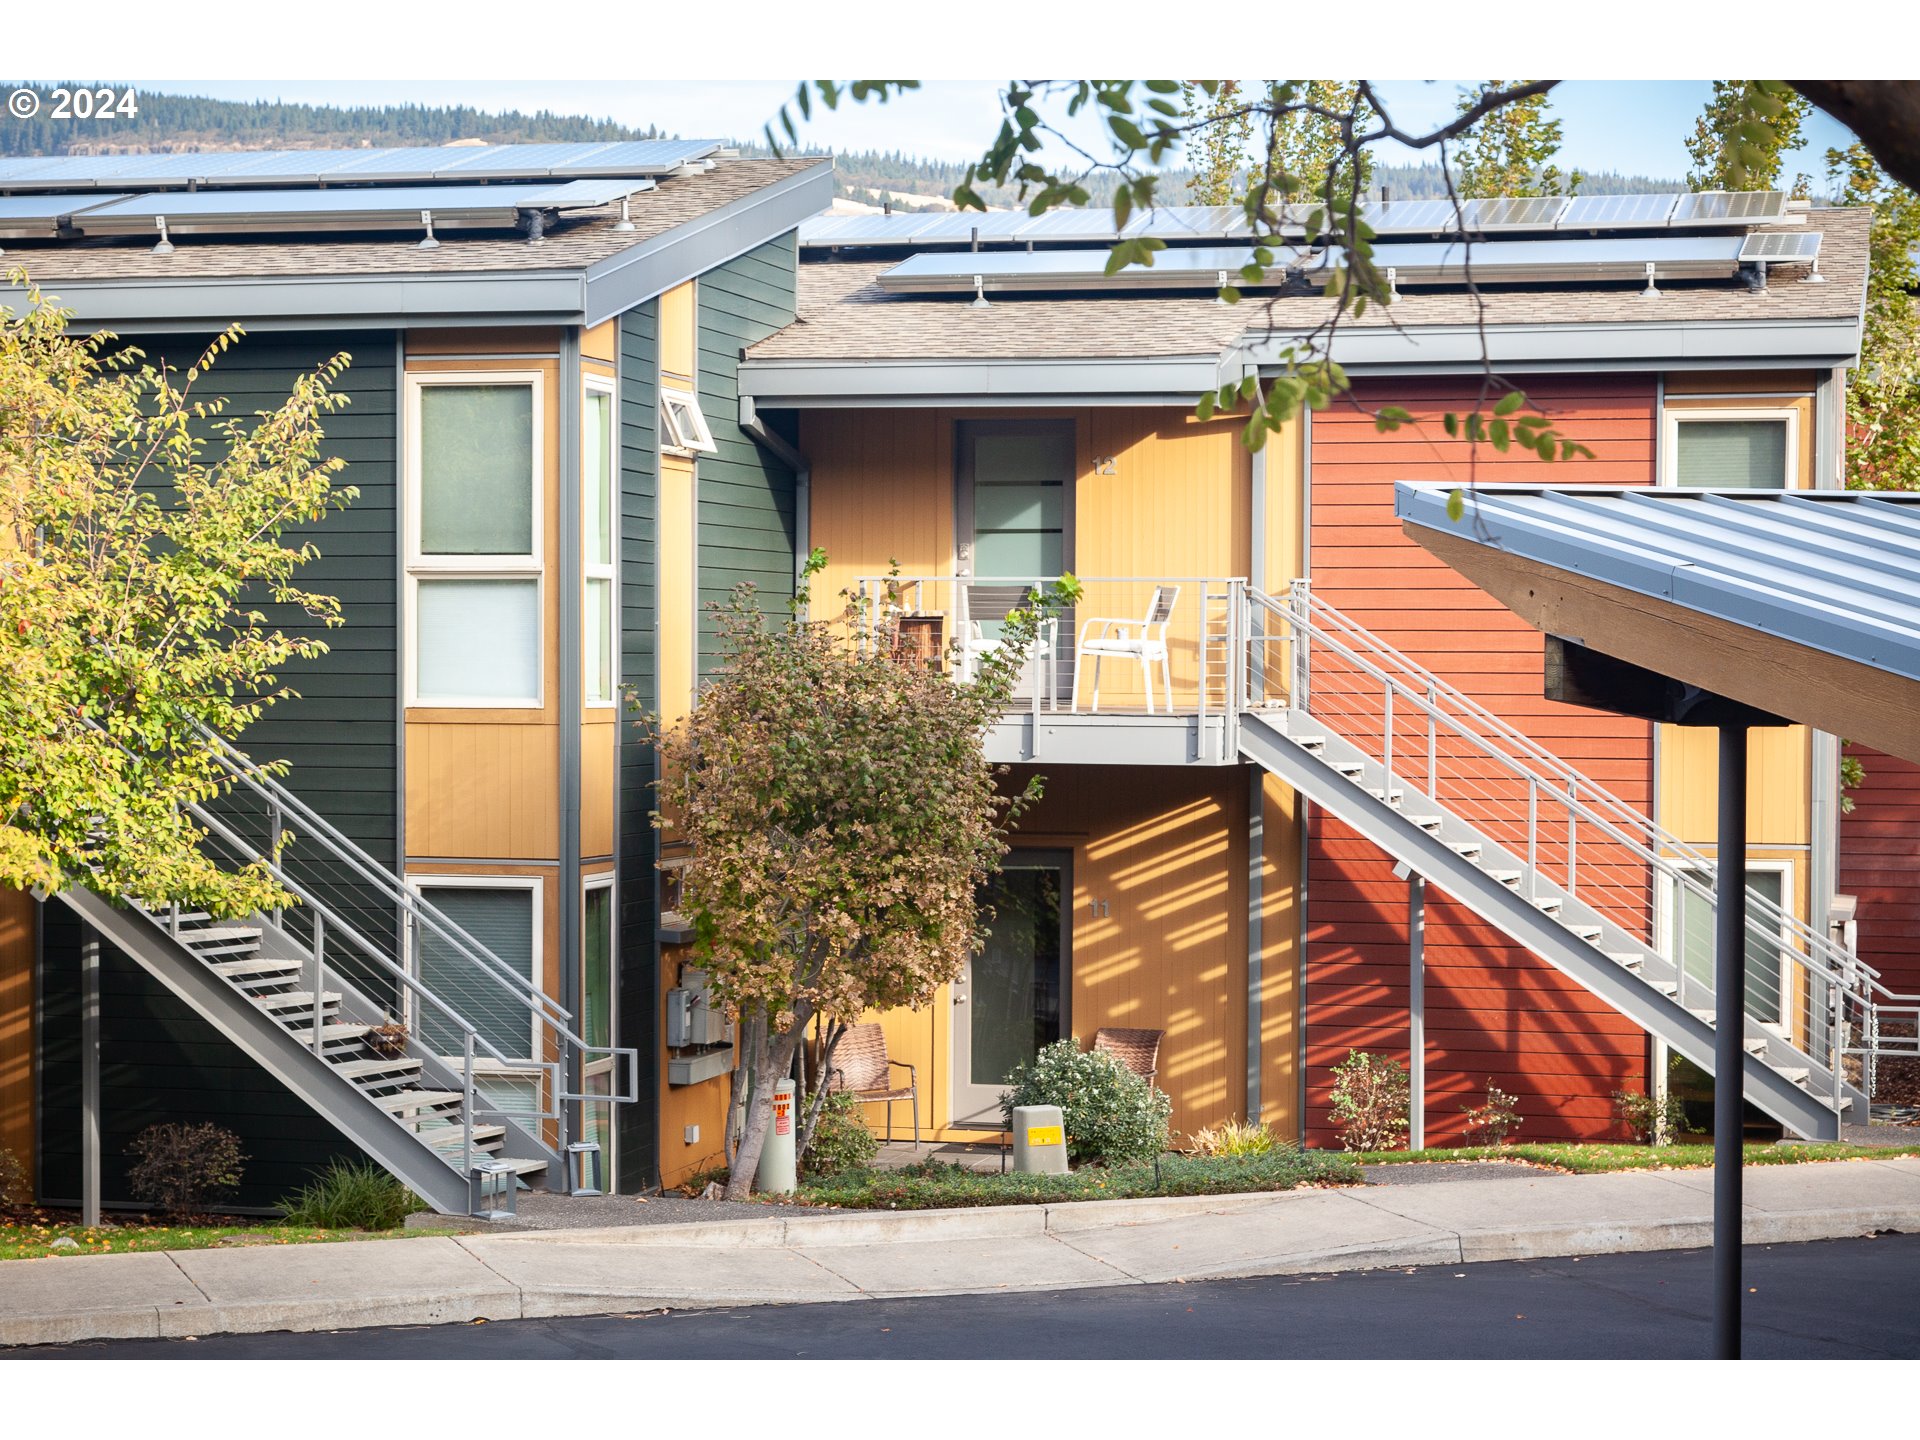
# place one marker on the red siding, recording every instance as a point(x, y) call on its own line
point(1494, 1011)
point(1880, 863)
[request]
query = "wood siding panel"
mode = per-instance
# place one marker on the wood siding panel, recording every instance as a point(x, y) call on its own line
point(17, 1060)
point(1496, 1011)
point(1880, 864)
point(483, 792)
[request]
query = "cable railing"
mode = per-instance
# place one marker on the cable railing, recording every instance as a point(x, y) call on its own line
point(1568, 829)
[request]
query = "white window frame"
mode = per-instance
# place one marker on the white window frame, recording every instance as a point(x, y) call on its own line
point(429, 568)
point(609, 1066)
point(1667, 923)
point(1674, 417)
point(591, 570)
point(533, 883)
point(673, 439)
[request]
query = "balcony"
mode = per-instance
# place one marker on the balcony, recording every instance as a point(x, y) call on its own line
point(1144, 670)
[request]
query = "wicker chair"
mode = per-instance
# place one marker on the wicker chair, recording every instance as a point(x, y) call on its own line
point(1138, 1050)
point(861, 1065)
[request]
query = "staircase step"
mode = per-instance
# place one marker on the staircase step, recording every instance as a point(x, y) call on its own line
point(1350, 768)
point(1310, 742)
point(1392, 797)
point(379, 1072)
point(1466, 849)
point(1666, 987)
point(417, 1099)
point(1428, 823)
point(1798, 1074)
point(297, 1000)
point(450, 1136)
point(1547, 904)
point(222, 939)
point(1588, 933)
point(329, 1034)
point(1509, 878)
point(256, 971)
point(1627, 959)
point(1756, 1048)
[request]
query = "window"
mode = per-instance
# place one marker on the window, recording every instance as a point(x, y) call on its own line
point(597, 490)
point(1691, 928)
point(473, 539)
point(1732, 449)
point(597, 989)
point(504, 917)
point(682, 426)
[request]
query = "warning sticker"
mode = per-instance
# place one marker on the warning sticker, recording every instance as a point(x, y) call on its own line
point(1045, 1135)
point(782, 1116)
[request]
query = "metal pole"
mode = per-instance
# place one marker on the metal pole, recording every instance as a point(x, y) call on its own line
point(1417, 1010)
point(89, 1076)
point(1729, 1055)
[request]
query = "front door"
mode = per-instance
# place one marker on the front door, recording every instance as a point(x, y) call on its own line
point(1012, 997)
point(1013, 522)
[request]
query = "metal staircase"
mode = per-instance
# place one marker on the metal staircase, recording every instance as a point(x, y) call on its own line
point(311, 992)
point(1583, 879)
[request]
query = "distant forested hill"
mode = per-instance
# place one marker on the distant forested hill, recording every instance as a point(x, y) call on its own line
point(195, 122)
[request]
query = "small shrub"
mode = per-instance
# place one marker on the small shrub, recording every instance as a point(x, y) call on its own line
point(1110, 1114)
point(352, 1196)
point(1491, 1122)
point(1648, 1120)
point(841, 1139)
point(184, 1169)
point(1234, 1138)
point(1370, 1101)
point(13, 1180)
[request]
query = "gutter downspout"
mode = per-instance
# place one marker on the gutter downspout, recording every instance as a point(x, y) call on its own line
point(1829, 473)
point(572, 707)
point(784, 451)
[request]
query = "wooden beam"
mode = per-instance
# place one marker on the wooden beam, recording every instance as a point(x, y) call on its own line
point(1765, 671)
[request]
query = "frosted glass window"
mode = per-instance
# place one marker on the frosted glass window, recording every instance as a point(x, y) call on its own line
point(597, 639)
point(596, 963)
point(1696, 926)
point(476, 470)
point(1731, 454)
point(596, 472)
point(477, 640)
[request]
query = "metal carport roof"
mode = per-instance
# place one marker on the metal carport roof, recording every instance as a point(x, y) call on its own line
point(1802, 603)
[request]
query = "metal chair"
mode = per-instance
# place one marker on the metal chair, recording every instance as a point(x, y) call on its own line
point(1138, 1050)
point(861, 1065)
point(1144, 640)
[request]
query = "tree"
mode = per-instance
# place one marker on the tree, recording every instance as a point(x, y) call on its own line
point(841, 818)
point(1220, 147)
point(140, 528)
point(1510, 151)
point(1308, 155)
point(1742, 136)
point(1883, 400)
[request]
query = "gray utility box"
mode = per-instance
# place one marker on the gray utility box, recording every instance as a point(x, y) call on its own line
point(1039, 1140)
point(692, 1017)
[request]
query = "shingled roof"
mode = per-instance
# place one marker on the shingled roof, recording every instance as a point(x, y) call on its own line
point(845, 315)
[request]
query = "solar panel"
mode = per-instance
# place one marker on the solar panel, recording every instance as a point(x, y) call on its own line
point(1617, 212)
point(1782, 247)
point(1563, 261)
point(392, 207)
point(1530, 212)
point(1730, 207)
point(1410, 217)
point(1190, 222)
point(1197, 267)
point(38, 217)
point(1070, 224)
point(404, 164)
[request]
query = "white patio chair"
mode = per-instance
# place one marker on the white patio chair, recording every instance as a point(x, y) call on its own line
point(1144, 640)
point(976, 645)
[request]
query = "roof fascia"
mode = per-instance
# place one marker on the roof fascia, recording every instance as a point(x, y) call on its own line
point(637, 274)
point(1152, 380)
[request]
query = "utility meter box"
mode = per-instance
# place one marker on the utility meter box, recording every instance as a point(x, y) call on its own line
point(707, 1024)
point(1039, 1140)
point(679, 1018)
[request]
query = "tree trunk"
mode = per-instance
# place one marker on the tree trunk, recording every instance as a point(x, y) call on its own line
point(823, 1082)
point(770, 1059)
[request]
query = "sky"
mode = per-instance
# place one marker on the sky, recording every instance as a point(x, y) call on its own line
point(1636, 127)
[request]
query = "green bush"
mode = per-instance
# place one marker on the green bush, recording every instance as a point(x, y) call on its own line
point(841, 1139)
point(1370, 1101)
point(184, 1169)
point(1111, 1115)
point(1650, 1121)
point(1490, 1123)
point(348, 1196)
point(13, 1180)
point(935, 1186)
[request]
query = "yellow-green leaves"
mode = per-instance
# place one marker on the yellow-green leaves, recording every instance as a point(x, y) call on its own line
point(1456, 504)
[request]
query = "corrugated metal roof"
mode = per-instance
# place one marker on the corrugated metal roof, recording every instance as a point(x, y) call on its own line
point(1837, 571)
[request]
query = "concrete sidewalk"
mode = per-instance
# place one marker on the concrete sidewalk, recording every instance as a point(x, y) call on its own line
point(849, 1256)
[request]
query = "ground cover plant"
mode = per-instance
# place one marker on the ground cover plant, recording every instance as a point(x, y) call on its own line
point(358, 1196)
point(1584, 1159)
point(37, 1234)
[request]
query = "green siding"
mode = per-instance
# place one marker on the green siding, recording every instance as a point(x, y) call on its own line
point(637, 1020)
point(746, 498)
point(161, 1061)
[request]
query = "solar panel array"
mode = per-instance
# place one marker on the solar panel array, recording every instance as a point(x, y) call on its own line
point(1559, 261)
point(418, 164)
point(1782, 247)
point(1005, 270)
point(1214, 223)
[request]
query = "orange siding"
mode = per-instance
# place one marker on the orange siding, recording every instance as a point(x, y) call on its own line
point(16, 1026)
point(1494, 1011)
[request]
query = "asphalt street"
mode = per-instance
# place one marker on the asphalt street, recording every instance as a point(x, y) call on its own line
point(1843, 1299)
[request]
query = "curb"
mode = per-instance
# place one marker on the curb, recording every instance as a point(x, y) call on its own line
point(505, 1300)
